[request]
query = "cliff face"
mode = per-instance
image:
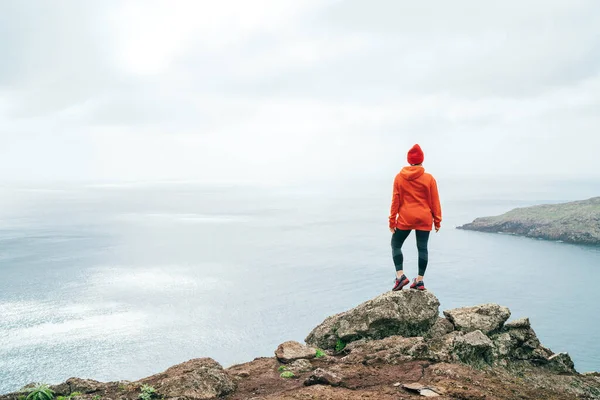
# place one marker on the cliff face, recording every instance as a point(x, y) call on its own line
point(576, 222)
point(394, 346)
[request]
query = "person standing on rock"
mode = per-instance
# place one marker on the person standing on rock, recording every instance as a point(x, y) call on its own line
point(415, 206)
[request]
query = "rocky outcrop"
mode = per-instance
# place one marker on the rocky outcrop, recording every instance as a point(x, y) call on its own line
point(392, 344)
point(405, 313)
point(291, 351)
point(485, 318)
point(197, 379)
point(475, 335)
point(575, 222)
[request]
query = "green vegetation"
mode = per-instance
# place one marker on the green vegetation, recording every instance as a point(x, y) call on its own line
point(96, 397)
point(340, 345)
point(319, 354)
point(69, 397)
point(39, 392)
point(148, 392)
point(281, 368)
point(287, 374)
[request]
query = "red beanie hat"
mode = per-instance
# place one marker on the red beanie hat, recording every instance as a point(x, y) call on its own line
point(415, 155)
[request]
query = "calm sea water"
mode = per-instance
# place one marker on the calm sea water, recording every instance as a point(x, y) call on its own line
point(120, 282)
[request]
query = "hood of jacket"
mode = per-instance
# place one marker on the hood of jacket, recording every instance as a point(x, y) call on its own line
point(411, 173)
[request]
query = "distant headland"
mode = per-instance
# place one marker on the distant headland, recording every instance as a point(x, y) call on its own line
point(575, 222)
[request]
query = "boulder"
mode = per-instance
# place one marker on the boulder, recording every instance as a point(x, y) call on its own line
point(473, 348)
point(406, 313)
point(198, 379)
point(292, 351)
point(485, 318)
point(323, 377)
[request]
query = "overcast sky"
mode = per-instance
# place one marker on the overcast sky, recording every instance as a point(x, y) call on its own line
point(281, 91)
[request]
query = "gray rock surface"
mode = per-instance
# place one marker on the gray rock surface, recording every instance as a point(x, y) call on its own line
point(485, 318)
point(440, 328)
point(473, 348)
point(291, 351)
point(441, 349)
point(198, 379)
point(406, 313)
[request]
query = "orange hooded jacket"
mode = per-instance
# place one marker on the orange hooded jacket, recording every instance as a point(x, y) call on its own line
point(415, 202)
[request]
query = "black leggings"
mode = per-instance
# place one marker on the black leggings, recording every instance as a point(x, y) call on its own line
point(398, 239)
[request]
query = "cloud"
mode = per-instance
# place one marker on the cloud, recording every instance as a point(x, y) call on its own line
point(272, 91)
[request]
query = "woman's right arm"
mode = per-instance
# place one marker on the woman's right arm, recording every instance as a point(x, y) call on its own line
point(436, 207)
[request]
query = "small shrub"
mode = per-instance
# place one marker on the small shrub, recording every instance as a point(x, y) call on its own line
point(319, 354)
point(21, 397)
point(96, 397)
point(40, 392)
point(340, 345)
point(287, 374)
point(148, 392)
point(69, 397)
point(281, 368)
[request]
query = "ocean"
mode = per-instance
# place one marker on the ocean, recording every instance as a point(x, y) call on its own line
point(118, 282)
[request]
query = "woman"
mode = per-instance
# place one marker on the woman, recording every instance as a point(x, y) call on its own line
point(415, 206)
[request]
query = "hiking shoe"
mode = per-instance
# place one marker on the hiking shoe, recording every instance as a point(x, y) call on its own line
point(417, 285)
point(400, 283)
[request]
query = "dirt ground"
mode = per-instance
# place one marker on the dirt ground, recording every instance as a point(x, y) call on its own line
point(260, 379)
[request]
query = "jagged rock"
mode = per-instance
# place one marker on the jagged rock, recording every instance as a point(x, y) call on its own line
point(198, 379)
point(561, 363)
point(485, 318)
point(405, 313)
point(473, 348)
point(391, 350)
point(518, 323)
point(300, 366)
point(440, 328)
point(519, 342)
point(323, 377)
point(292, 351)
